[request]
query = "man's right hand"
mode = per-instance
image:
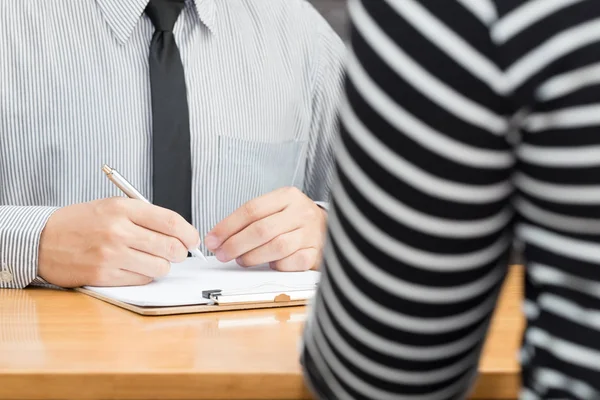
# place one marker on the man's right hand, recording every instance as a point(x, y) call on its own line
point(112, 242)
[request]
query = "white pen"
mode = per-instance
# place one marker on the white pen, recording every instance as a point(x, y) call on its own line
point(133, 193)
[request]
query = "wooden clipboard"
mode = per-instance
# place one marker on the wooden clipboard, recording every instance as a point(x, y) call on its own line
point(193, 309)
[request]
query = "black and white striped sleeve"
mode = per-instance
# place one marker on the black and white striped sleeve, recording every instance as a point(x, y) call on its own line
point(420, 220)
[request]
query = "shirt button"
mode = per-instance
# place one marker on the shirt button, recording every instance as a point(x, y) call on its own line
point(5, 276)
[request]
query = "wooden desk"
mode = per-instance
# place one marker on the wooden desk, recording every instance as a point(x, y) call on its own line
point(499, 369)
point(65, 345)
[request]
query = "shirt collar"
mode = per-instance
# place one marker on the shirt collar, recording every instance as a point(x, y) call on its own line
point(123, 15)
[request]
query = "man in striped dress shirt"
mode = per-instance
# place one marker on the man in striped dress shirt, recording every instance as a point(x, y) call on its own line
point(469, 125)
point(77, 90)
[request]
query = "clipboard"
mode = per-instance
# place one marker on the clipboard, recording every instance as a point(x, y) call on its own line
point(192, 287)
point(278, 301)
point(220, 297)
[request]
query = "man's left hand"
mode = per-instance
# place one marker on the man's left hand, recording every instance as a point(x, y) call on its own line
point(283, 228)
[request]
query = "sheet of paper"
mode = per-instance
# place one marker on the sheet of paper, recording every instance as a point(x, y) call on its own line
point(186, 281)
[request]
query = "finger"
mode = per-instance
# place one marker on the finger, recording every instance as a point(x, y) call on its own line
point(248, 213)
point(156, 244)
point(164, 221)
point(257, 234)
point(144, 264)
point(302, 260)
point(118, 277)
point(278, 248)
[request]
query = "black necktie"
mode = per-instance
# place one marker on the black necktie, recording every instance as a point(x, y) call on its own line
point(172, 176)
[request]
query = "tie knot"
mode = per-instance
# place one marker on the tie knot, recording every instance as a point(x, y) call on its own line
point(164, 13)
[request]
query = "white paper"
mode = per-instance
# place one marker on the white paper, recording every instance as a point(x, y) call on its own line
point(186, 281)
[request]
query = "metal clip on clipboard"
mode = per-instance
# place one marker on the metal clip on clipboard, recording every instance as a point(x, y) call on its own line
point(219, 296)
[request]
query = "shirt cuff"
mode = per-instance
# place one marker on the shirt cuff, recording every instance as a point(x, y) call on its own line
point(41, 282)
point(20, 229)
point(323, 204)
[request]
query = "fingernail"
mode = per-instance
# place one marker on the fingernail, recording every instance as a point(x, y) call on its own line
point(211, 241)
point(240, 262)
point(220, 254)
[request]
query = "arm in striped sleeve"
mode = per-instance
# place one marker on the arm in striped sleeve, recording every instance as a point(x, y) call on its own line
point(20, 231)
point(420, 221)
point(327, 90)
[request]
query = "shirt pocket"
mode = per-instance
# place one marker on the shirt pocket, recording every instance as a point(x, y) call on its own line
point(250, 168)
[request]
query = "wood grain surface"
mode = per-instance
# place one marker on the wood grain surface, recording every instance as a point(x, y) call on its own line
point(66, 345)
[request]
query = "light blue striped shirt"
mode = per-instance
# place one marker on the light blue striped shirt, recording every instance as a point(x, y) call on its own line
point(263, 79)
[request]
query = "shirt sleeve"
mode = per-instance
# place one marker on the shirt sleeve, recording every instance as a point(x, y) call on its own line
point(20, 231)
point(326, 93)
point(420, 223)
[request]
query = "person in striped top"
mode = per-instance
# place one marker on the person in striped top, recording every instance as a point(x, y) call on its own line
point(469, 128)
